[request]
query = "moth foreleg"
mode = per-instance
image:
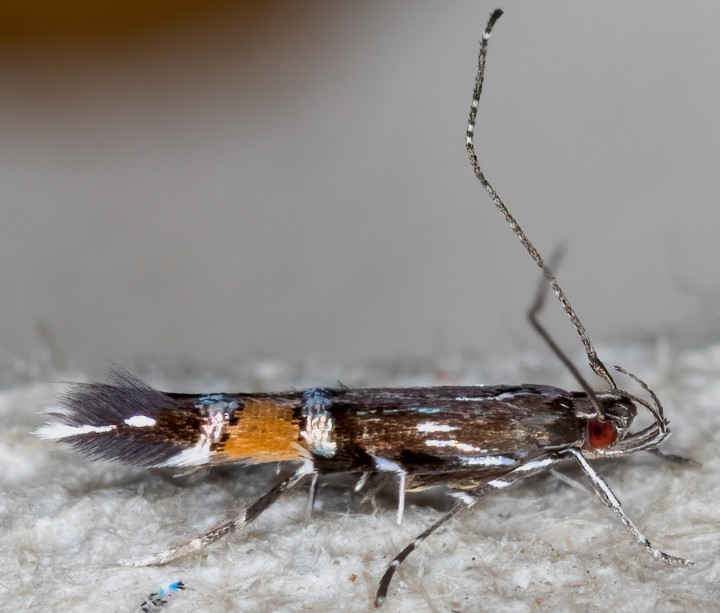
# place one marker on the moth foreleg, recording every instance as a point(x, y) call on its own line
point(604, 493)
point(250, 513)
point(674, 459)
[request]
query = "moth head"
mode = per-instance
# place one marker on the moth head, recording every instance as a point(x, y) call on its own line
point(610, 434)
point(618, 411)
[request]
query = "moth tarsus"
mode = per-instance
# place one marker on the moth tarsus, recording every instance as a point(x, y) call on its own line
point(474, 440)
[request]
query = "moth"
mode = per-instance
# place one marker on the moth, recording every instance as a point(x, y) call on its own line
point(474, 440)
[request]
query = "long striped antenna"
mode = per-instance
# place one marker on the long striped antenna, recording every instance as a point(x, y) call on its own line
point(595, 362)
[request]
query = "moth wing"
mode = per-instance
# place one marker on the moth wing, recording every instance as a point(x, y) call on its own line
point(124, 420)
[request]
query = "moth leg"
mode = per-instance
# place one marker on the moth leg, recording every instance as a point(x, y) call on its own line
point(384, 465)
point(381, 483)
point(674, 459)
point(390, 571)
point(362, 481)
point(250, 513)
point(312, 494)
point(369, 496)
point(401, 497)
point(604, 493)
point(466, 500)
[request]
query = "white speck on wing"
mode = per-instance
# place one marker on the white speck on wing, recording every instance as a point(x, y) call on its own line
point(430, 426)
point(451, 443)
point(140, 421)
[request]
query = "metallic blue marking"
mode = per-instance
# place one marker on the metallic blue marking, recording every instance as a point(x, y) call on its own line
point(211, 399)
point(216, 403)
point(423, 410)
point(317, 397)
point(319, 422)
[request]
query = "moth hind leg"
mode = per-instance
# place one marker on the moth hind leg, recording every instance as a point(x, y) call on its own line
point(252, 512)
point(384, 584)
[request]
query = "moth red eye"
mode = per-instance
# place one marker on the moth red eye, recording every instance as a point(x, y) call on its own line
point(601, 433)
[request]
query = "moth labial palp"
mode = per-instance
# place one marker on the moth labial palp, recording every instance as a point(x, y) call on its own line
point(474, 440)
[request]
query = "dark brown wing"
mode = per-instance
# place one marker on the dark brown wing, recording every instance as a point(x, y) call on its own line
point(449, 433)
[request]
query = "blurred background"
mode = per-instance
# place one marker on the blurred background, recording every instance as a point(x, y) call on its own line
point(210, 181)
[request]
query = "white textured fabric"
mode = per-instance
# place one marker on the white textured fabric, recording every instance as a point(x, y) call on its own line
point(541, 546)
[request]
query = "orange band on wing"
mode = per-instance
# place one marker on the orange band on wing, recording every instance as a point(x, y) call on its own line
point(265, 432)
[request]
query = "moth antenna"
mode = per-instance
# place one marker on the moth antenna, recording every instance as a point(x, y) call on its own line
point(532, 315)
point(595, 362)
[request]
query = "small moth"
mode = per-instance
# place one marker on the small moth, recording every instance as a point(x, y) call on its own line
point(473, 440)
